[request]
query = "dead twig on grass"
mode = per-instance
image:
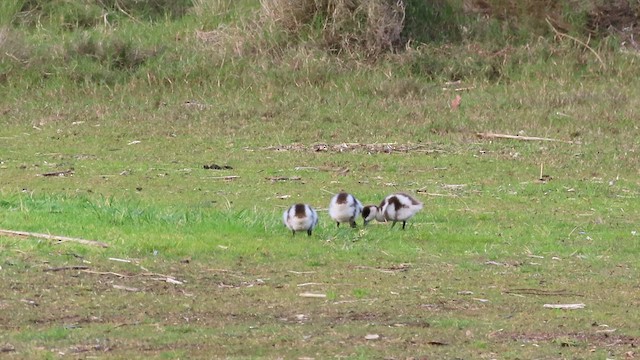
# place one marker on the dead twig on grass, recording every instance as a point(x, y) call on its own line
point(313, 295)
point(338, 170)
point(153, 276)
point(394, 269)
point(540, 292)
point(63, 268)
point(106, 273)
point(226, 178)
point(52, 237)
point(126, 288)
point(58, 173)
point(490, 135)
point(564, 306)
point(424, 192)
point(301, 272)
point(274, 179)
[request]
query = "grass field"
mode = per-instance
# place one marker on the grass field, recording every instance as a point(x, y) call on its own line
point(126, 113)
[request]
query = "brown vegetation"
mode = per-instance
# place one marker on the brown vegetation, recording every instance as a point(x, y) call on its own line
point(369, 27)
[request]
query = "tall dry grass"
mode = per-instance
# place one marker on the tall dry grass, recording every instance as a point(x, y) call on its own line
point(368, 27)
point(205, 8)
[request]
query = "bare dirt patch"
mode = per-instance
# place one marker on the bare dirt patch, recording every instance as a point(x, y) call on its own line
point(595, 339)
point(373, 148)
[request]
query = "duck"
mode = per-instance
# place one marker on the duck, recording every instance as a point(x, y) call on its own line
point(300, 217)
point(369, 213)
point(345, 208)
point(395, 207)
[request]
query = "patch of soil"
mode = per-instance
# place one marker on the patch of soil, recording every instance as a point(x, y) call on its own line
point(616, 17)
point(356, 147)
point(571, 339)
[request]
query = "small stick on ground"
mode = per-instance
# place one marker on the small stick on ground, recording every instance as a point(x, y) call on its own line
point(283, 178)
point(301, 272)
point(62, 268)
point(126, 288)
point(564, 306)
point(489, 135)
point(52, 237)
point(313, 295)
point(106, 273)
point(58, 173)
point(540, 292)
point(227, 178)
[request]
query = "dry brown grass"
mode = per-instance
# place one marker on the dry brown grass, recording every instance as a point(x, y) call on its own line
point(13, 47)
point(212, 7)
point(341, 26)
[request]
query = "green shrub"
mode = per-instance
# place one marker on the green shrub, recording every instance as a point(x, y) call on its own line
point(429, 21)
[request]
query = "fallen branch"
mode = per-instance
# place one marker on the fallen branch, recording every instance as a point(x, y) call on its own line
point(283, 178)
point(153, 276)
point(426, 192)
point(488, 135)
point(227, 178)
point(52, 237)
point(106, 273)
point(313, 295)
point(58, 173)
point(540, 292)
point(169, 280)
point(62, 268)
point(564, 306)
point(126, 288)
point(391, 270)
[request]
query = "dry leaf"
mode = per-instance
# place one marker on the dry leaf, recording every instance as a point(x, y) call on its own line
point(455, 103)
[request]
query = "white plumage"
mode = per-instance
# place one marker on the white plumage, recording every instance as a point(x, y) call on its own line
point(345, 208)
point(397, 207)
point(300, 217)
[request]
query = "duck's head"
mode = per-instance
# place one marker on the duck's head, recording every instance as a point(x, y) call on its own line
point(369, 213)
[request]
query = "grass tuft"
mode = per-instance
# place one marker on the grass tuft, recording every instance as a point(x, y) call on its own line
point(339, 26)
